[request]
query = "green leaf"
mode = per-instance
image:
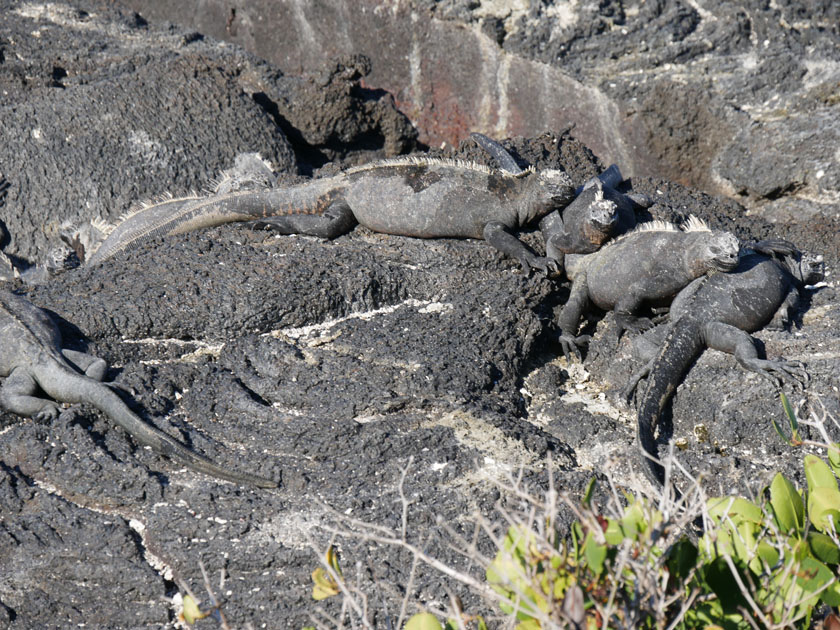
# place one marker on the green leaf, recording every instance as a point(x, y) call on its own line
point(682, 559)
point(587, 494)
point(767, 553)
point(633, 521)
point(332, 559)
point(818, 474)
point(191, 611)
point(595, 554)
point(791, 416)
point(613, 533)
point(507, 573)
point(831, 595)
point(737, 509)
point(423, 621)
point(325, 586)
point(812, 576)
point(781, 433)
point(824, 548)
point(834, 457)
point(719, 578)
point(824, 507)
point(787, 505)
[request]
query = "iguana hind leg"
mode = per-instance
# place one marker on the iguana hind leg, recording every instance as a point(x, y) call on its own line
point(338, 219)
point(93, 367)
point(16, 396)
point(735, 341)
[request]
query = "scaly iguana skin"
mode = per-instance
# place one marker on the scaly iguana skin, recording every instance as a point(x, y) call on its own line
point(31, 359)
point(719, 311)
point(648, 265)
point(598, 213)
point(412, 196)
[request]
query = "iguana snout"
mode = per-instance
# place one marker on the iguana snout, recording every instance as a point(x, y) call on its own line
point(604, 214)
point(724, 250)
point(557, 183)
point(811, 268)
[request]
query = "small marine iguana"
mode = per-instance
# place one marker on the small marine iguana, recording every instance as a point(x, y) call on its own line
point(719, 311)
point(648, 265)
point(32, 360)
point(598, 213)
point(409, 196)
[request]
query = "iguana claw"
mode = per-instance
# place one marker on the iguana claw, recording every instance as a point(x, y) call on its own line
point(48, 412)
point(780, 370)
point(571, 344)
point(544, 264)
point(633, 324)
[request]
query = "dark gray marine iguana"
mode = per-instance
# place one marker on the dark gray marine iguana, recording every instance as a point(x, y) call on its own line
point(410, 196)
point(32, 360)
point(598, 213)
point(646, 266)
point(719, 311)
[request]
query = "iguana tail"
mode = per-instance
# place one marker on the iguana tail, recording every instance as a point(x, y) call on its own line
point(75, 388)
point(169, 216)
point(682, 346)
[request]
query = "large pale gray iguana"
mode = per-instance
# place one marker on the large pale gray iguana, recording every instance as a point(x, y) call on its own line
point(32, 361)
point(646, 266)
point(719, 311)
point(410, 196)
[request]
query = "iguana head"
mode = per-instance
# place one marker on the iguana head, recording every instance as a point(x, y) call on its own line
point(601, 214)
point(808, 268)
point(558, 186)
point(720, 251)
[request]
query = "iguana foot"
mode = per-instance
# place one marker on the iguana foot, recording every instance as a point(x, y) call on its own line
point(633, 382)
point(571, 344)
point(773, 247)
point(336, 220)
point(49, 411)
point(624, 322)
point(548, 266)
point(779, 371)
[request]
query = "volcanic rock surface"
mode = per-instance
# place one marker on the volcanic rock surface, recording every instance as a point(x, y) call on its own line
point(340, 367)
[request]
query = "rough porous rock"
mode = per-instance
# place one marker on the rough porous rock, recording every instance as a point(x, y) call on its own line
point(342, 368)
point(741, 99)
point(102, 110)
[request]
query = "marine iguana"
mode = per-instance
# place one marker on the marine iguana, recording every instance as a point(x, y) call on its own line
point(409, 196)
point(719, 311)
point(32, 360)
point(598, 213)
point(648, 265)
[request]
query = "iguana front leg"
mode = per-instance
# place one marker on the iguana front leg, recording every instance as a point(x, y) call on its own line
point(625, 309)
point(773, 247)
point(497, 234)
point(16, 396)
point(336, 220)
point(782, 318)
point(727, 338)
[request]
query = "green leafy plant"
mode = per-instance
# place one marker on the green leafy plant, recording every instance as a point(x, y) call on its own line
point(758, 564)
